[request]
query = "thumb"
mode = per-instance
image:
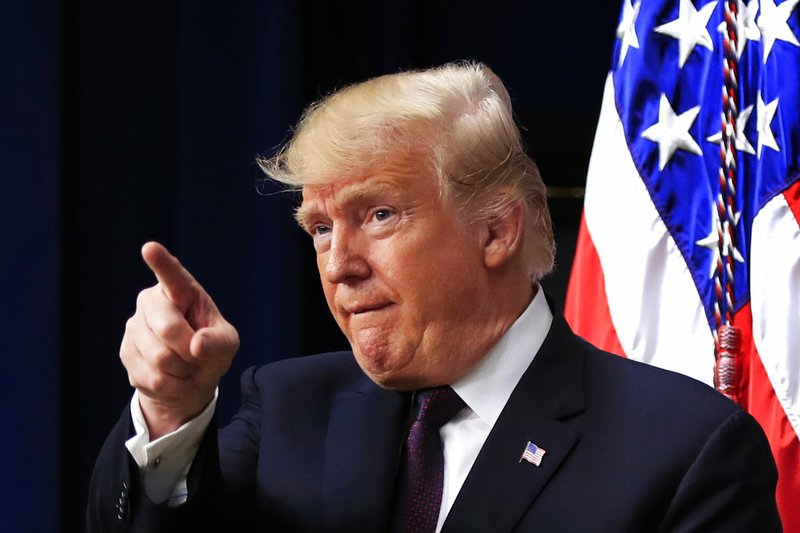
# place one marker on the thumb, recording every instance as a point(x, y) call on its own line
point(220, 340)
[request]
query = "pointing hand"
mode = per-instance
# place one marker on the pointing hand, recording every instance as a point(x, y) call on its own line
point(176, 346)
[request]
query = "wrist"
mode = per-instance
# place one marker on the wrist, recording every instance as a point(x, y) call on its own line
point(164, 417)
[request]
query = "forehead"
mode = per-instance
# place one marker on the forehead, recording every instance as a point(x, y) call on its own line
point(401, 178)
point(349, 190)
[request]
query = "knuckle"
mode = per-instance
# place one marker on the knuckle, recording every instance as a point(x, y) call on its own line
point(161, 357)
point(164, 328)
point(131, 370)
point(123, 355)
point(159, 383)
point(146, 296)
point(141, 298)
point(126, 352)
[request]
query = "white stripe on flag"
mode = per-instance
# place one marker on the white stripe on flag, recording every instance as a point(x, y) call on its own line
point(775, 301)
point(652, 298)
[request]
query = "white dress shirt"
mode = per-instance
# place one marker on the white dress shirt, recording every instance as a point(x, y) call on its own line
point(486, 390)
point(165, 462)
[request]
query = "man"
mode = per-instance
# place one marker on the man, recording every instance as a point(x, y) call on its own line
point(431, 231)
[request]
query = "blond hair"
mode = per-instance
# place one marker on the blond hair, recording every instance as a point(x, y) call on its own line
point(455, 119)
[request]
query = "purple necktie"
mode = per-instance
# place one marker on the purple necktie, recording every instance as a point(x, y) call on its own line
point(419, 487)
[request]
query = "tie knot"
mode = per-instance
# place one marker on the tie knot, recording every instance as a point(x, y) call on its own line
point(437, 406)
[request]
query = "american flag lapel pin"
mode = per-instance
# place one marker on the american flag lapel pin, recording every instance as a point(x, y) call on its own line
point(533, 454)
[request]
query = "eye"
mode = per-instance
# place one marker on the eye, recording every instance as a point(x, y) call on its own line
point(318, 230)
point(382, 214)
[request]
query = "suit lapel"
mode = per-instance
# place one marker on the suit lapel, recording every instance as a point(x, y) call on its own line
point(361, 458)
point(499, 488)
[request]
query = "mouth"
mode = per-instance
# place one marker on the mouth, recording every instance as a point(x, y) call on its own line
point(363, 309)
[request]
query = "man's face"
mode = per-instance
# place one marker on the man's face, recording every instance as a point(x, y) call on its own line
point(403, 276)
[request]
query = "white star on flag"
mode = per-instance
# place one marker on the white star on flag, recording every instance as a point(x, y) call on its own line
point(774, 25)
point(689, 28)
point(626, 30)
point(765, 113)
point(740, 141)
point(712, 240)
point(671, 132)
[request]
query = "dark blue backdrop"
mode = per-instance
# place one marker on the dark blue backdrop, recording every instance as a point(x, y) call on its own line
point(128, 121)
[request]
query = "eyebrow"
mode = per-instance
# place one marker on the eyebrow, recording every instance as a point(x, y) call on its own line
point(302, 214)
point(348, 195)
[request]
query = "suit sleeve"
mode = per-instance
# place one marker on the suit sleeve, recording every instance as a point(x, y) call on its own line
point(216, 502)
point(117, 499)
point(731, 484)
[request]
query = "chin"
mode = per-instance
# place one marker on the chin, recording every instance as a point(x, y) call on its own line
point(395, 378)
point(391, 365)
point(376, 367)
point(382, 368)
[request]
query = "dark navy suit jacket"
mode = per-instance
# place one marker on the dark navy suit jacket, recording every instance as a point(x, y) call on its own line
point(315, 447)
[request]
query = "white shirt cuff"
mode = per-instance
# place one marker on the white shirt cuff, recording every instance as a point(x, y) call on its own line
point(165, 462)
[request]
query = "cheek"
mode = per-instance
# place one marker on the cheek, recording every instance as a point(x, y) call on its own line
point(439, 281)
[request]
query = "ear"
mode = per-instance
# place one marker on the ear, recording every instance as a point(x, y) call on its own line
point(504, 236)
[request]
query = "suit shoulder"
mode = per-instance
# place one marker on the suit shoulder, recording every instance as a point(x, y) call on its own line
point(655, 390)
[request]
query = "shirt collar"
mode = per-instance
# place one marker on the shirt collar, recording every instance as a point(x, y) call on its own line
point(488, 386)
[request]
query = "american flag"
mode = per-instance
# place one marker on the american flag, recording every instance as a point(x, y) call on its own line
point(690, 223)
point(533, 454)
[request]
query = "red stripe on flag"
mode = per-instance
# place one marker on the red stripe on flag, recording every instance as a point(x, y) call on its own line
point(792, 195)
point(586, 306)
point(758, 398)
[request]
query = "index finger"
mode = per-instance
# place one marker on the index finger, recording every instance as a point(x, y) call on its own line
point(174, 279)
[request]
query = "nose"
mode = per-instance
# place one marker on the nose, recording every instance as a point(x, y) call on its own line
point(345, 261)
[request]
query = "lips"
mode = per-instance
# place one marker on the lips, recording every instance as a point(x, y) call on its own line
point(360, 309)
